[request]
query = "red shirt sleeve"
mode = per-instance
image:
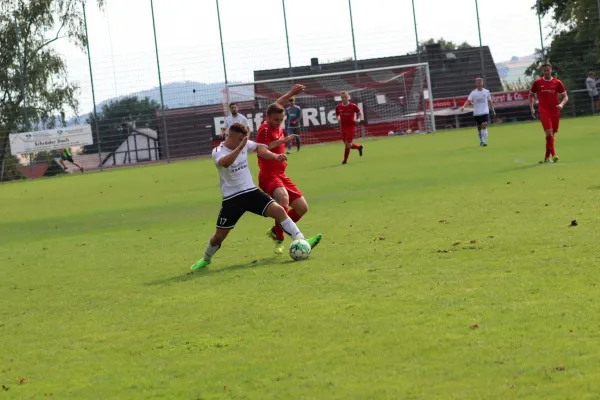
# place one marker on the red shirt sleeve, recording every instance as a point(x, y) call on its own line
point(561, 87)
point(337, 110)
point(534, 87)
point(262, 136)
point(356, 109)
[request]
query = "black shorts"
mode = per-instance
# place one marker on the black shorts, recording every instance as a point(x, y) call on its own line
point(255, 201)
point(595, 98)
point(481, 119)
point(69, 159)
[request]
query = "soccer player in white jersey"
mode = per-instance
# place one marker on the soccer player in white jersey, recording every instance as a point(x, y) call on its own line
point(240, 194)
point(481, 100)
point(232, 118)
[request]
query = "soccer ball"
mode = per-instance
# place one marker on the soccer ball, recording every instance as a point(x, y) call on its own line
point(299, 250)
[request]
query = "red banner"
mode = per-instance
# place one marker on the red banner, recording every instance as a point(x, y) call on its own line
point(500, 99)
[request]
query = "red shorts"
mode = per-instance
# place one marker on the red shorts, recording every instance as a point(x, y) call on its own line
point(269, 182)
point(550, 122)
point(348, 134)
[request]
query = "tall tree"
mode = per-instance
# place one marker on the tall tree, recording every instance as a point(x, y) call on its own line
point(34, 84)
point(575, 46)
point(445, 44)
point(114, 118)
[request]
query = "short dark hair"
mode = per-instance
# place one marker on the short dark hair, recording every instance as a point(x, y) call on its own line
point(547, 64)
point(238, 127)
point(232, 104)
point(275, 108)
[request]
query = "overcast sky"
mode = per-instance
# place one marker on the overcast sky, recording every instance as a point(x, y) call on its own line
point(124, 61)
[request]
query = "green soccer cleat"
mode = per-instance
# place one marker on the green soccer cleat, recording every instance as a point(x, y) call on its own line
point(555, 159)
point(200, 264)
point(546, 160)
point(314, 241)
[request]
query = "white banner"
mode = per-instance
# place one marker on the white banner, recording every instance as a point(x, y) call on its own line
point(52, 139)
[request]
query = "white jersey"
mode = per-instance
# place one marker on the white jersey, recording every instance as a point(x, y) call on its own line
point(230, 120)
point(480, 99)
point(590, 84)
point(236, 179)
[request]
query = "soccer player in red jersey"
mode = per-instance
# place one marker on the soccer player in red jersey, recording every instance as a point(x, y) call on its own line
point(271, 177)
point(346, 115)
point(548, 90)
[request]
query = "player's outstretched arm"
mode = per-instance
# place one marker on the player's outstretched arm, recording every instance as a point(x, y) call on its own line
point(467, 104)
point(230, 158)
point(296, 89)
point(264, 153)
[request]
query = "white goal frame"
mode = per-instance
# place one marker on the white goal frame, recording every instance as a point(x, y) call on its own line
point(427, 93)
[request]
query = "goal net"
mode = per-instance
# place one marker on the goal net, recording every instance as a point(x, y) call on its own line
point(394, 100)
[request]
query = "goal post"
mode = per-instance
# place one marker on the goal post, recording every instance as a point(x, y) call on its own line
point(394, 99)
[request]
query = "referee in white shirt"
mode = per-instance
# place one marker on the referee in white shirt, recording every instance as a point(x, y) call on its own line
point(232, 118)
point(481, 100)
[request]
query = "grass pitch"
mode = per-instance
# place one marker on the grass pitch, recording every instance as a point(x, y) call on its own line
point(396, 303)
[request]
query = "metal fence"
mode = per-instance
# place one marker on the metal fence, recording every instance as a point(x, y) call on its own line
point(155, 67)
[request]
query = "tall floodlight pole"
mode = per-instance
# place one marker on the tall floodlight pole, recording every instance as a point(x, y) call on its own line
point(480, 44)
point(87, 45)
point(416, 31)
point(287, 38)
point(160, 86)
point(352, 29)
point(539, 13)
point(222, 46)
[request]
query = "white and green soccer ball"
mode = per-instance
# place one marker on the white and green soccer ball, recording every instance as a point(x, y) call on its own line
point(299, 250)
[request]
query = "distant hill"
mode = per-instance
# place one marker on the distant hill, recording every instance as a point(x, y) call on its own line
point(182, 94)
point(513, 70)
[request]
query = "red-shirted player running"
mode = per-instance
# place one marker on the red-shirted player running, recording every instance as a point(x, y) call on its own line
point(548, 89)
point(271, 177)
point(346, 115)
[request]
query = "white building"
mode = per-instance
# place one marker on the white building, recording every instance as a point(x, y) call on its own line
point(140, 146)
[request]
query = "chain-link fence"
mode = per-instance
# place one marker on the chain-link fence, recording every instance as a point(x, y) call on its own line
point(151, 80)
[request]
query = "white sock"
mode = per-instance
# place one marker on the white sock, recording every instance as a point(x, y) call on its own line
point(290, 228)
point(210, 251)
point(484, 135)
point(480, 134)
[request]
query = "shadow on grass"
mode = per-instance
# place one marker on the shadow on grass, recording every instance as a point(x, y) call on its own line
point(520, 167)
point(188, 276)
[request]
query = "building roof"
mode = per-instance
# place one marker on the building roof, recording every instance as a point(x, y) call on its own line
point(453, 72)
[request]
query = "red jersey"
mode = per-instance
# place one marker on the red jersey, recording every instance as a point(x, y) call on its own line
point(547, 93)
point(347, 114)
point(266, 135)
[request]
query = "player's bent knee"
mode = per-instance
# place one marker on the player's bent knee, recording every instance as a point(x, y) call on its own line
point(300, 206)
point(276, 212)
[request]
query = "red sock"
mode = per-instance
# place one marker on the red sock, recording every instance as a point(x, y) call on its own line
point(278, 232)
point(294, 215)
point(346, 154)
point(552, 149)
point(548, 151)
point(355, 146)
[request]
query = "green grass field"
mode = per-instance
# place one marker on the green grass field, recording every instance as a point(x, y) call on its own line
point(97, 301)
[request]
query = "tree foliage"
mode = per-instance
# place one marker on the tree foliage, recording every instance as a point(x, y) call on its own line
point(34, 84)
point(444, 44)
point(113, 120)
point(575, 45)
